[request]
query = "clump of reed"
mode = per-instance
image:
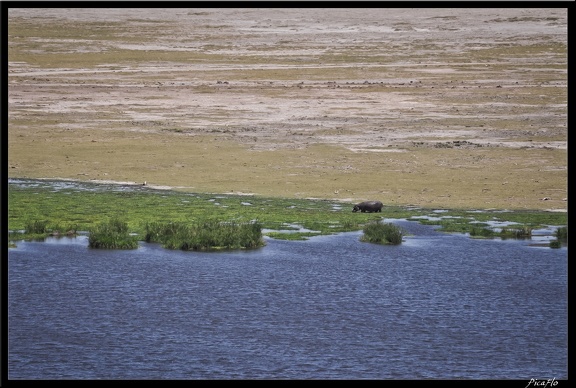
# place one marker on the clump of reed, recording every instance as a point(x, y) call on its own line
point(112, 234)
point(478, 232)
point(519, 233)
point(484, 232)
point(561, 237)
point(382, 233)
point(205, 235)
point(562, 234)
point(555, 244)
point(36, 227)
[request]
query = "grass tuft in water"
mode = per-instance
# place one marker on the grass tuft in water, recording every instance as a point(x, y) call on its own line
point(561, 237)
point(562, 234)
point(382, 233)
point(205, 235)
point(518, 233)
point(112, 234)
point(478, 232)
point(555, 244)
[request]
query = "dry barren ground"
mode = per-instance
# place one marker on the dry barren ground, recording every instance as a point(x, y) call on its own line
point(457, 108)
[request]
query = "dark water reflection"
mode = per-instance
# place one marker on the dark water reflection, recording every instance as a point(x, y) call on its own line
point(437, 306)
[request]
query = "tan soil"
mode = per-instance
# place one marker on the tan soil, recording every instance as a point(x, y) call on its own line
point(431, 107)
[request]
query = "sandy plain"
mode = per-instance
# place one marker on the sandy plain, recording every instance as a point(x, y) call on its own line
point(445, 108)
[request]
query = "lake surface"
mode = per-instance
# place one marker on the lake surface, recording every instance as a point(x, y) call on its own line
point(439, 306)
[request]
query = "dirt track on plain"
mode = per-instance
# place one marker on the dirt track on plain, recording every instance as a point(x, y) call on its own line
point(429, 107)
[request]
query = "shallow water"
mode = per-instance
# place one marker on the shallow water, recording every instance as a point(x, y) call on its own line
point(75, 185)
point(438, 306)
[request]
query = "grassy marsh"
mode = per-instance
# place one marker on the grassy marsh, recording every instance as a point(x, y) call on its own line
point(126, 96)
point(38, 205)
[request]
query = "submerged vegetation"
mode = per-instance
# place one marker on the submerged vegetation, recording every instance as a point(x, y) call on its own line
point(192, 221)
point(382, 233)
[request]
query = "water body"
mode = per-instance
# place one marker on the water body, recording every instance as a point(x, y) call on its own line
point(439, 306)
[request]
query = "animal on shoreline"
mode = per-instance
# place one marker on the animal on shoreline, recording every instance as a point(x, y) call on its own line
point(368, 207)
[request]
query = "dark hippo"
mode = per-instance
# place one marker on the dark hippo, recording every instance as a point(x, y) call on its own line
point(368, 207)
